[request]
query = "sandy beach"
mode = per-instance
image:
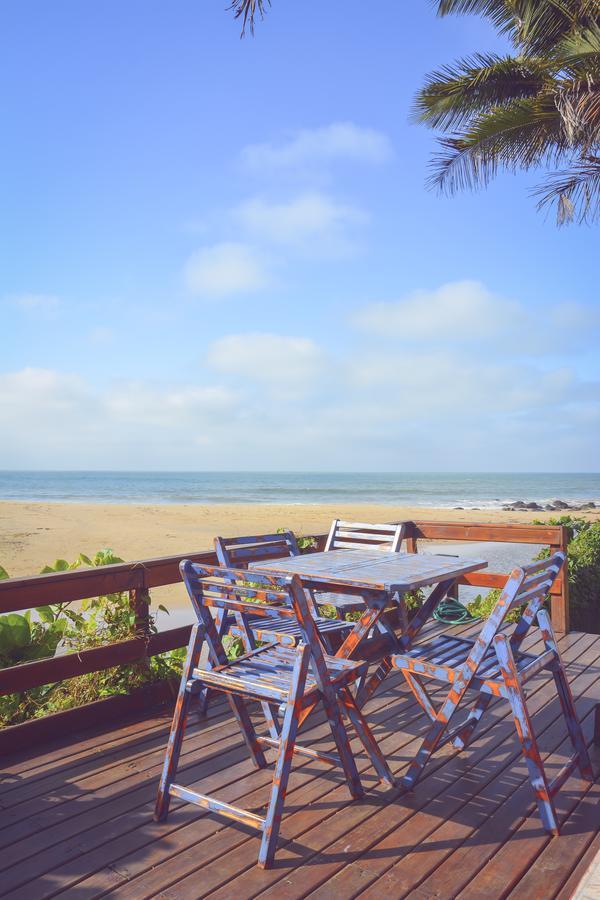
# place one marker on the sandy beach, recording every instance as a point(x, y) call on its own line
point(34, 534)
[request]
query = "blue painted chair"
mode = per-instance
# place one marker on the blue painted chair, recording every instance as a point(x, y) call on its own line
point(494, 666)
point(345, 535)
point(239, 552)
point(289, 678)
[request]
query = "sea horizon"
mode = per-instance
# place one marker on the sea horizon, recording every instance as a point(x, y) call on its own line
point(469, 490)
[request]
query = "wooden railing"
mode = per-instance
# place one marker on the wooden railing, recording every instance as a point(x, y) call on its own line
point(556, 537)
point(138, 578)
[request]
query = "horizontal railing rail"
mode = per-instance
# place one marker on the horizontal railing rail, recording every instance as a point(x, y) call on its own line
point(555, 537)
point(137, 578)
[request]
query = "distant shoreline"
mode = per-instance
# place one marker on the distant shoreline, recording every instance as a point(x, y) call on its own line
point(428, 490)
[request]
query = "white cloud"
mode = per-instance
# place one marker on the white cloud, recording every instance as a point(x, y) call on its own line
point(289, 406)
point(223, 269)
point(452, 386)
point(140, 403)
point(46, 391)
point(44, 305)
point(311, 220)
point(461, 310)
point(54, 419)
point(454, 378)
point(320, 146)
point(268, 358)
point(468, 313)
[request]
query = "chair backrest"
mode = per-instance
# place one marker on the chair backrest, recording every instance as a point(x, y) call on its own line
point(238, 552)
point(364, 536)
point(228, 589)
point(526, 588)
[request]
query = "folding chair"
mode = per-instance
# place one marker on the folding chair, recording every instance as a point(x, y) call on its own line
point(290, 678)
point(361, 536)
point(494, 666)
point(239, 552)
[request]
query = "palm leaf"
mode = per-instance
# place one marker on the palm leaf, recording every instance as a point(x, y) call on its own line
point(575, 192)
point(478, 84)
point(247, 11)
point(523, 135)
point(534, 25)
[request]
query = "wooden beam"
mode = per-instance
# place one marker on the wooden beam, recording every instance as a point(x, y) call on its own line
point(58, 668)
point(80, 584)
point(461, 531)
point(559, 607)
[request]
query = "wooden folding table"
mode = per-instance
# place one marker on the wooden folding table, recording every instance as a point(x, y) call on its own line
point(380, 579)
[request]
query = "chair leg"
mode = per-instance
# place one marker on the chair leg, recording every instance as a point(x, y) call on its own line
point(528, 741)
point(463, 738)
point(366, 737)
point(575, 733)
point(340, 736)
point(366, 691)
point(436, 732)
point(420, 694)
point(283, 765)
point(566, 699)
point(430, 742)
point(202, 698)
point(238, 707)
point(178, 724)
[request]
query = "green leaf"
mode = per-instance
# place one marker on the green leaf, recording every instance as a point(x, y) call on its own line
point(14, 633)
point(163, 608)
point(3, 573)
point(45, 613)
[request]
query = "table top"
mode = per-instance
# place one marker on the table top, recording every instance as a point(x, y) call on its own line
point(374, 570)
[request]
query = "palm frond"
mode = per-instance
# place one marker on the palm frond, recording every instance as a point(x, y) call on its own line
point(578, 103)
point(536, 26)
point(552, 21)
point(575, 192)
point(247, 11)
point(478, 84)
point(521, 136)
point(580, 52)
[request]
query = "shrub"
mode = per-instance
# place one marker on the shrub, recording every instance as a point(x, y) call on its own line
point(481, 607)
point(583, 574)
point(100, 620)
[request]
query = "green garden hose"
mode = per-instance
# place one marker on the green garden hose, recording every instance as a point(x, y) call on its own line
point(451, 612)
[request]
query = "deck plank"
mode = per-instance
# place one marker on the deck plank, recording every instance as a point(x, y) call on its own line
point(240, 860)
point(83, 812)
point(359, 831)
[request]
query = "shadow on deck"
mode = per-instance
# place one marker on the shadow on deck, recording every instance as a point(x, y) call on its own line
point(77, 815)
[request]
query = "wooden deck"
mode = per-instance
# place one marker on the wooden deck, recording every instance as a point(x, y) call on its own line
point(77, 814)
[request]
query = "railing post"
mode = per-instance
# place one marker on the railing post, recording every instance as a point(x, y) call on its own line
point(559, 604)
point(139, 601)
point(411, 541)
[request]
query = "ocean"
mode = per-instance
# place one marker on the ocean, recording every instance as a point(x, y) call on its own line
point(487, 490)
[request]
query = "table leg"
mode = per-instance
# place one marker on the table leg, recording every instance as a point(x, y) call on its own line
point(375, 607)
point(406, 640)
point(426, 611)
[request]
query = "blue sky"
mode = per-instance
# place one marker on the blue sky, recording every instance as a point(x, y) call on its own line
point(222, 254)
